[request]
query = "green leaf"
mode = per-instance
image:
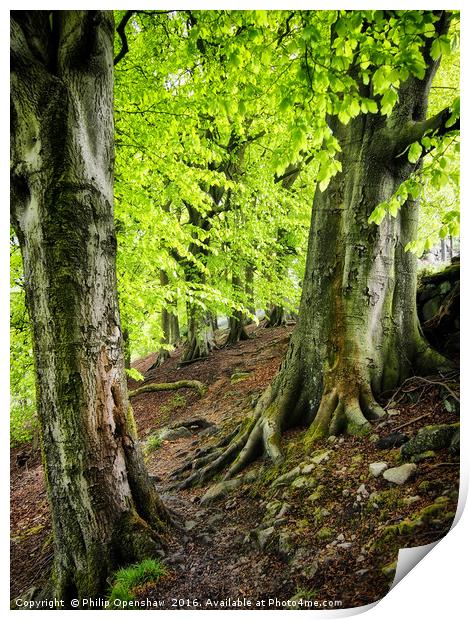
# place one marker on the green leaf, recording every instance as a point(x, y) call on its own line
point(414, 152)
point(436, 49)
point(378, 213)
point(393, 207)
point(444, 232)
point(369, 105)
point(133, 373)
point(388, 101)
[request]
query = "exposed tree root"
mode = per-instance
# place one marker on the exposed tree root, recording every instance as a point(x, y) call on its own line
point(162, 356)
point(339, 412)
point(344, 412)
point(176, 385)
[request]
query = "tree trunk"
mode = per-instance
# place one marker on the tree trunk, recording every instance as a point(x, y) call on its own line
point(127, 347)
point(358, 332)
point(170, 328)
point(250, 292)
point(200, 339)
point(276, 316)
point(443, 251)
point(105, 509)
point(236, 322)
point(214, 321)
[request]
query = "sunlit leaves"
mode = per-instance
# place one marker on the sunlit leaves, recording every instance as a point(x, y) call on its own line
point(213, 109)
point(440, 45)
point(388, 101)
point(414, 152)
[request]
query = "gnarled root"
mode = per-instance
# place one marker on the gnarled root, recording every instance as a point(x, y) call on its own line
point(340, 411)
point(348, 412)
point(176, 385)
point(260, 434)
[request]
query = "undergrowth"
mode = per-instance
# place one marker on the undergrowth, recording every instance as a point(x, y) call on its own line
point(128, 578)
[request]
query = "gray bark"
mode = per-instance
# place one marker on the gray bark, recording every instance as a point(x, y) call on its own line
point(105, 510)
point(200, 340)
point(276, 316)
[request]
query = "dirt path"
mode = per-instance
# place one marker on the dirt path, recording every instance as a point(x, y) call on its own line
point(317, 538)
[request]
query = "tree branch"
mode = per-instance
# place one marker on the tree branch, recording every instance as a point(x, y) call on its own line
point(121, 30)
point(288, 177)
point(416, 131)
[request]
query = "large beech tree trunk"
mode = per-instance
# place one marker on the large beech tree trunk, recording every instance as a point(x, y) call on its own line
point(105, 510)
point(201, 339)
point(358, 331)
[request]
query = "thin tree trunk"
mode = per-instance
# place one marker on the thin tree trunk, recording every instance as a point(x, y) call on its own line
point(276, 316)
point(105, 510)
point(250, 291)
point(236, 323)
point(170, 328)
point(200, 339)
point(443, 250)
point(127, 347)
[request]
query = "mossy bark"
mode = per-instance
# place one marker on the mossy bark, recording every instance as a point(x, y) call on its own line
point(177, 385)
point(200, 340)
point(62, 213)
point(358, 332)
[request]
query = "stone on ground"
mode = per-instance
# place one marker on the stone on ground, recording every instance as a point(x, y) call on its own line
point(377, 468)
point(401, 474)
point(220, 490)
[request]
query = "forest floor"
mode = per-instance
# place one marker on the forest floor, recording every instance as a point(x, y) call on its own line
point(326, 531)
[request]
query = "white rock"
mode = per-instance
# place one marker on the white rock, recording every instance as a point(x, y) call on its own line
point(321, 457)
point(378, 468)
point(399, 475)
point(363, 491)
point(411, 500)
